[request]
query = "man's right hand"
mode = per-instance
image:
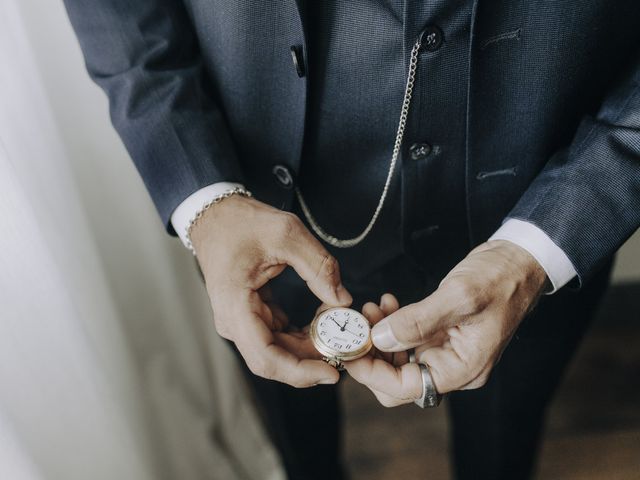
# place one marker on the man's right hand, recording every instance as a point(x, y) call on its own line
point(241, 244)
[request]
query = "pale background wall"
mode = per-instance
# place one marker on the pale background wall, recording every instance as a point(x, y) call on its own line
point(80, 231)
point(628, 262)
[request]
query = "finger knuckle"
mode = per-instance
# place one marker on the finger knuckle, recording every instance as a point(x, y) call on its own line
point(297, 383)
point(253, 367)
point(222, 328)
point(386, 402)
point(224, 334)
point(270, 371)
point(328, 266)
point(471, 377)
point(482, 380)
point(459, 380)
point(478, 382)
point(461, 288)
point(470, 296)
point(260, 368)
point(289, 225)
point(412, 328)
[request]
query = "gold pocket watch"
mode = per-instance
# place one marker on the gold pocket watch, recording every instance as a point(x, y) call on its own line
point(341, 335)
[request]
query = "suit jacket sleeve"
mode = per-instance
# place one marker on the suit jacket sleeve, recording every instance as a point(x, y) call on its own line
point(587, 198)
point(145, 56)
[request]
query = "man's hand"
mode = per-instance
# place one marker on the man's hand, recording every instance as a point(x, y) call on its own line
point(241, 244)
point(460, 330)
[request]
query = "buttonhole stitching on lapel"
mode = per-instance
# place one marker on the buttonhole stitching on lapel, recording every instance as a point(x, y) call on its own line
point(505, 171)
point(513, 35)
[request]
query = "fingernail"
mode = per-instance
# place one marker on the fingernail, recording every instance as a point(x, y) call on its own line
point(382, 302)
point(383, 338)
point(343, 295)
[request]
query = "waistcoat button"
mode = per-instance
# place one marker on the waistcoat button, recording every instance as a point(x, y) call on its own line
point(298, 59)
point(431, 38)
point(418, 151)
point(283, 176)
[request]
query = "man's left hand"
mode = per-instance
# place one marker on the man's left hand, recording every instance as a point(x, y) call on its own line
point(460, 330)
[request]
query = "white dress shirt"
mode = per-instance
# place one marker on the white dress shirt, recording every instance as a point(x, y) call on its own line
point(526, 235)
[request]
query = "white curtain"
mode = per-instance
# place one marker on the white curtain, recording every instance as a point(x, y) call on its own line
point(109, 365)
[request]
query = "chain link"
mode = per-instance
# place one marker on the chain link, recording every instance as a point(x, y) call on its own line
point(217, 199)
point(404, 113)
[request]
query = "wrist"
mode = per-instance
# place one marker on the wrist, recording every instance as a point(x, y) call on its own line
point(213, 211)
point(190, 206)
point(525, 265)
point(537, 242)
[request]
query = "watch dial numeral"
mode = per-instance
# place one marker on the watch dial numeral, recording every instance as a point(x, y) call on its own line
point(341, 330)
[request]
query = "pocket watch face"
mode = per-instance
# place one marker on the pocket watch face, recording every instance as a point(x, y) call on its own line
point(341, 332)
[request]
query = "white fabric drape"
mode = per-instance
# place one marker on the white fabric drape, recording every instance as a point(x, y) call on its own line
point(109, 365)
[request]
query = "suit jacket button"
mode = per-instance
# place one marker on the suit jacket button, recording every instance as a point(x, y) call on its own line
point(418, 151)
point(431, 38)
point(283, 176)
point(297, 57)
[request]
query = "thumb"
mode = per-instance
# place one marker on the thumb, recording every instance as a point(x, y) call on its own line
point(315, 265)
point(412, 325)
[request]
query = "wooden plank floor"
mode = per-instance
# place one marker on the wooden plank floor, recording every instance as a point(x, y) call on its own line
point(588, 436)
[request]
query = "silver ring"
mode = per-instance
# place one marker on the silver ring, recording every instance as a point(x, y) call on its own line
point(430, 397)
point(412, 355)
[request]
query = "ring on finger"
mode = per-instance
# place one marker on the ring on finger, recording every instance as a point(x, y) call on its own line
point(430, 397)
point(412, 355)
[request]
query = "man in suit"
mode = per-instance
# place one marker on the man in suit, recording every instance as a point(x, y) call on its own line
point(510, 129)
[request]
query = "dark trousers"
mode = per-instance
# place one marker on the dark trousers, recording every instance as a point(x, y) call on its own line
point(495, 429)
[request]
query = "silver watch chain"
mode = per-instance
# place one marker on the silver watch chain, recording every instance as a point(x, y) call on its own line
point(404, 113)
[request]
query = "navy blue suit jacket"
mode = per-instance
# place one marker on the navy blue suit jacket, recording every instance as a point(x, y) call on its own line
point(531, 110)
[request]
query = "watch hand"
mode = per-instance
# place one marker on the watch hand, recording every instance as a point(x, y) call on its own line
point(334, 321)
point(354, 333)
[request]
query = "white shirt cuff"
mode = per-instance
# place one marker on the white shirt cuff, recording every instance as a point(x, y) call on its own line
point(551, 258)
point(186, 211)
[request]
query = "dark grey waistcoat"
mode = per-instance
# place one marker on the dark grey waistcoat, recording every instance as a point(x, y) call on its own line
point(524, 108)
